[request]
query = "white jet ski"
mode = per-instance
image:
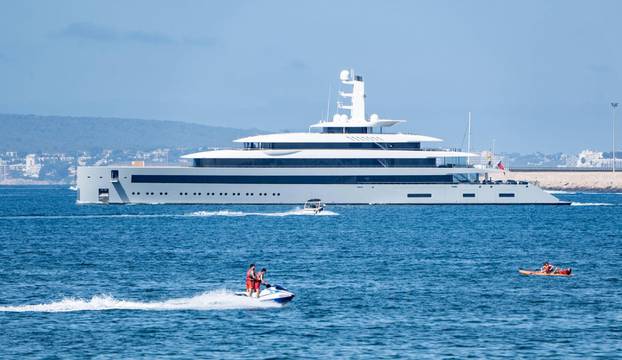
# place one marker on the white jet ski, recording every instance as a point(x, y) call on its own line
point(274, 293)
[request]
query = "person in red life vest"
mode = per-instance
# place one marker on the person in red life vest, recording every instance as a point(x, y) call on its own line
point(259, 279)
point(251, 278)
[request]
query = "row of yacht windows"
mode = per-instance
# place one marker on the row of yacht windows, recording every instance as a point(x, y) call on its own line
point(427, 162)
point(415, 195)
point(464, 195)
point(207, 193)
point(330, 146)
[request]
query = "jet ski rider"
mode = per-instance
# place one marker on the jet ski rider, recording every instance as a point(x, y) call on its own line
point(259, 279)
point(251, 279)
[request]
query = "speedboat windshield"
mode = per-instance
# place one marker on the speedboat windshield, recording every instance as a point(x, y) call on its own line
point(313, 204)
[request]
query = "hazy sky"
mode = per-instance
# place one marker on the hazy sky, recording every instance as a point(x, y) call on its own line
point(537, 75)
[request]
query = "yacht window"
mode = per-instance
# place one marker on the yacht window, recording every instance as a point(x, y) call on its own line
point(506, 195)
point(468, 195)
point(419, 195)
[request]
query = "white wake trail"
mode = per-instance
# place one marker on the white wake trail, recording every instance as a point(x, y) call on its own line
point(559, 192)
point(296, 212)
point(213, 300)
point(589, 204)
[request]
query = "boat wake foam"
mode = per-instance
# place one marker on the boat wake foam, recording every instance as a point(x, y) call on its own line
point(589, 204)
point(560, 192)
point(86, 216)
point(212, 300)
point(295, 212)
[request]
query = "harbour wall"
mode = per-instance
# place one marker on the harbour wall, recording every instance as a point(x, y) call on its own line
point(568, 180)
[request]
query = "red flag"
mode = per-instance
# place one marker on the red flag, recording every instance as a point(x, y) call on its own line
point(500, 166)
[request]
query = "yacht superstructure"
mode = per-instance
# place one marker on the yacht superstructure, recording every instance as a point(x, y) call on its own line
point(349, 159)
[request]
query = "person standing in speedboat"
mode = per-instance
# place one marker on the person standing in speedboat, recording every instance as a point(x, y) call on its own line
point(251, 279)
point(259, 279)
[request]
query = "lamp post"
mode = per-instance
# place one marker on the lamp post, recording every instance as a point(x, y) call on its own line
point(614, 105)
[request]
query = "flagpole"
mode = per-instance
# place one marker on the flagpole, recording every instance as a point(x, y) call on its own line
point(492, 155)
point(614, 105)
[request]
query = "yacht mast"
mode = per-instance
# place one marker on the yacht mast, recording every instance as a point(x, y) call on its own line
point(357, 96)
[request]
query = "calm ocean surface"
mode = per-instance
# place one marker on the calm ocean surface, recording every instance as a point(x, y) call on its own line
point(371, 281)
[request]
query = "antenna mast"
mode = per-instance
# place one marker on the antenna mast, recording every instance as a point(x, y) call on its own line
point(469, 140)
point(328, 104)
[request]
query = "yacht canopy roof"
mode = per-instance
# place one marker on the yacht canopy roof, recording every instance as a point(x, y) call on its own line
point(326, 154)
point(359, 123)
point(336, 138)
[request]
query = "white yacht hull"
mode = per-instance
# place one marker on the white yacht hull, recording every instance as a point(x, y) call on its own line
point(92, 181)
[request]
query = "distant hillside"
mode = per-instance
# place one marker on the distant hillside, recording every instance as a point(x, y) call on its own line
point(32, 133)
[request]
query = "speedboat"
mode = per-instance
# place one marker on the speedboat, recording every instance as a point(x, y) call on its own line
point(272, 293)
point(313, 206)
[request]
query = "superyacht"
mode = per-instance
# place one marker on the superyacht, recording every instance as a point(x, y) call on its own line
point(349, 159)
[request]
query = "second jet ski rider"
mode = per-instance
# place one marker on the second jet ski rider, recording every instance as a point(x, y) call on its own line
point(260, 279)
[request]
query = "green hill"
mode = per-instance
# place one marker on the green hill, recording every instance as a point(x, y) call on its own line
point(32, 133)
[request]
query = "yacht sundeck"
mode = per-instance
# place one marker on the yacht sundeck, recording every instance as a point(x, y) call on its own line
point(349, 159)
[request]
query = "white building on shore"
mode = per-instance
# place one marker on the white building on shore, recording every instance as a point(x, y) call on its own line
point(595, 159)
point(32, 168)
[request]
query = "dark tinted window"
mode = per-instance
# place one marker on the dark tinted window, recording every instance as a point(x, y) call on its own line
point(468, 195)
point(356, 145)
point(274, 179)
point(347, 130)
point(419, 195)
point(506, 195)
point(429, 162)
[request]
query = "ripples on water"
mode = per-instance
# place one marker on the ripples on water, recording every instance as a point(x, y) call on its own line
point(371, 281)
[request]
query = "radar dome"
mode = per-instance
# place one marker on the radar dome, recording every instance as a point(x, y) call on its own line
point(336, 117)
point(344, 118)
point(344, 75)
point(373, 117)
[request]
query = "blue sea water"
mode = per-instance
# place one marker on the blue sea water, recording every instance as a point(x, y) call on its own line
point(370, 281)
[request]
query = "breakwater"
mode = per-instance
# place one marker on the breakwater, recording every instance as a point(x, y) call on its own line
point(569, 180)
